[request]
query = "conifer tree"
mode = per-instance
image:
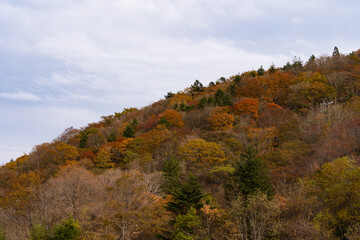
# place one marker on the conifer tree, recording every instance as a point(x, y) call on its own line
point(188, 195)
point(250, 175)
point(260, 71)
point(171, 172)
point(336, 52)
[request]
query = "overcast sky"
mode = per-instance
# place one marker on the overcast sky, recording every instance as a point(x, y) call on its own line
point(68, 62)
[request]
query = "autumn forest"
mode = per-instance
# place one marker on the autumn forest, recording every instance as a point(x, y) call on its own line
point(264, 154)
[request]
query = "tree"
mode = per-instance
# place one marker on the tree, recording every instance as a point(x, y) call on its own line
point(185, 225)
point(129, 132)
point(201, 153)
point(260, 71)
point(247, 106)
point(257, 217)
point(171, 173)
point(112, 137)
point(336, 186)
point(69, 229)
point(221, 121)
point(222, 99)
point(197, 87)
point(188, 195)
point(103, 159)
point(336, 52)
point(171, 118)
point(250, 175)
point(38, 232)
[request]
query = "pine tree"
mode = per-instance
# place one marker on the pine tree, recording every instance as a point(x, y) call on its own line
point(260, 71)
point(336, 52)
point(188, 195)
point(250, 175)
point(272, 69)
point(171, 173)
point(129, 132)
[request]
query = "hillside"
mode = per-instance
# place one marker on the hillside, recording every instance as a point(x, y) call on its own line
point(265, 154)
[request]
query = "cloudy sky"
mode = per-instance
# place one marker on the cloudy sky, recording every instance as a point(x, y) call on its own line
point(68, 62)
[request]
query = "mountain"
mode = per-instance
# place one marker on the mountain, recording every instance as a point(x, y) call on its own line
point(266, 154)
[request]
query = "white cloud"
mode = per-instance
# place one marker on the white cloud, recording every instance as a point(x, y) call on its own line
point(297, 20)
point(20, 96)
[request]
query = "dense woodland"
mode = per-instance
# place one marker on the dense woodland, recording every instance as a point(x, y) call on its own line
point(265, 154)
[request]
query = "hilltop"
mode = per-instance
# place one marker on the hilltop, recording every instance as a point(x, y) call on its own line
point(265, 154)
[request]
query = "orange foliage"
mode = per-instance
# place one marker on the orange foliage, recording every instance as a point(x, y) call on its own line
point(221, 121)
point(273, 106)
point(172, 118)
point(247, 106)
point(250, 87)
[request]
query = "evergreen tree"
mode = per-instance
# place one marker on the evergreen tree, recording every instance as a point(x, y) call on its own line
point(129, 132)
point(185, 225)
point(171, 173)
point(260, 71)
point(83, 139)
point(272, 69)
point(69, 229)
point(112, 137)
point(197, 87)
point(250, 175)
point(237, 78)
point(336, 52)
point(222, 99)
point(169, 95)
point(312, 58)
point(203, 101)
point(188, 195)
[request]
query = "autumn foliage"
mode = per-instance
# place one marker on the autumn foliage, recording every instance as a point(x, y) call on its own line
point(266, 154)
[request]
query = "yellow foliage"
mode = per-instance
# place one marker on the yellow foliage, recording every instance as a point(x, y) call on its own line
point(103, 159)
point(202, 153)
point(179, 98)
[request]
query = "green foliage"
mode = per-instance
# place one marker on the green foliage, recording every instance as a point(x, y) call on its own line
point(203, 102)
point(272, 69)
point(250, 175)
point(83, 139)
point(169, 95)
point(222, 99)
point(188, 195)
point(171, 173)
point(38, 232)
point(185, 225)
point(336, 186)
point(260, 71)
point(69, 229)
point(112, 137)
point(129, 131)
point(2, 234)
point(197, 87)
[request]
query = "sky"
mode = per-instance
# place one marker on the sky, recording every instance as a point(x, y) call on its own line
point(66, 63)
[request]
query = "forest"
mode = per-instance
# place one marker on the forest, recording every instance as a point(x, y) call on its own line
point(264, 154)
